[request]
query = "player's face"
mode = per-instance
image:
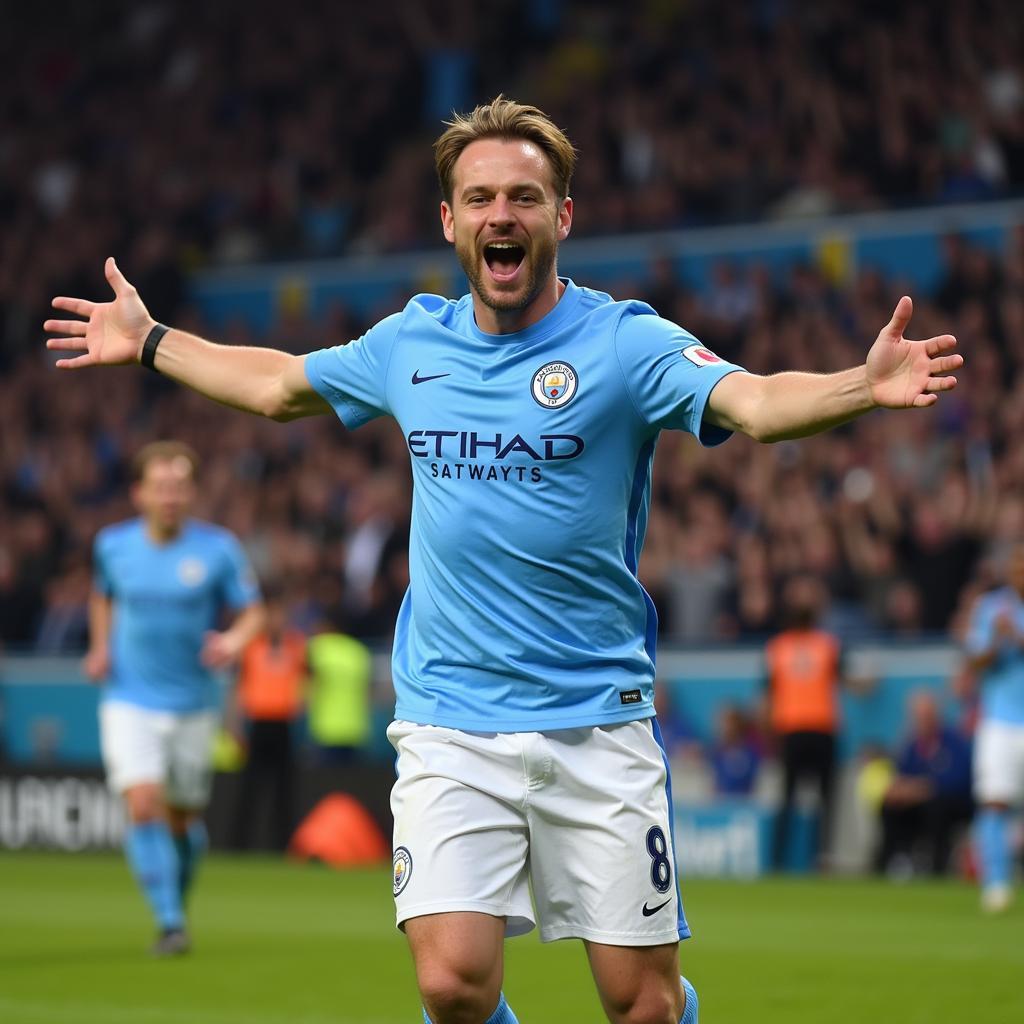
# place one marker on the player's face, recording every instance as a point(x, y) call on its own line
point(506, 220)
point(164, 494)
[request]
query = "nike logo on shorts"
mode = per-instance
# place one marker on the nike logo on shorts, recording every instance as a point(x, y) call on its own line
point(653, 910)
point(417, 379)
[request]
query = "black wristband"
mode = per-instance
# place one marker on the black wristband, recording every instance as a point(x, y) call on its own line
point(155, 336)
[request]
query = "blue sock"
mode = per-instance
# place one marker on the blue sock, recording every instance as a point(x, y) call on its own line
point(151, 853)
point(992, 834)
point(191, 845)
point(502, 1015)
point(690, 1013)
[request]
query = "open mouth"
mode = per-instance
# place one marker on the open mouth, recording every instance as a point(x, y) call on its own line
point(504, 259)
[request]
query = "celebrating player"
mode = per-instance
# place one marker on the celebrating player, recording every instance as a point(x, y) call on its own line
point(162, 581)
point(528, 755)
point(995, 649)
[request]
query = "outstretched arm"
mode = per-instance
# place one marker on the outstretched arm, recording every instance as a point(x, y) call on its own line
point(898, 374)
point(259, 380)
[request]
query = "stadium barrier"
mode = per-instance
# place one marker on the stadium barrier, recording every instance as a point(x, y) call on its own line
point(52, 795)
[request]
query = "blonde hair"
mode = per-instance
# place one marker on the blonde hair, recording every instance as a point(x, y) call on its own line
point(504, 119)
point(163, 451)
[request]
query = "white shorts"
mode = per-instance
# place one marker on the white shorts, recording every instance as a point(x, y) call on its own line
point(999, 763)
point(140, 745)
point(579, 816)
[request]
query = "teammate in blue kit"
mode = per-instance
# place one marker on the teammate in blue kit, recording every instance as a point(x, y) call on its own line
point(995, 649)
point(528, 755)
point(162, 583)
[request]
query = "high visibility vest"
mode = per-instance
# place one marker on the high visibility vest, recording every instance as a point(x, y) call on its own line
point(271, 677)
point(341, 669)
point(803, 681)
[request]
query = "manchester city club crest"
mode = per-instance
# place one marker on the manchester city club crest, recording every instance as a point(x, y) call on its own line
point(554, 385)
point(191, 572)
point(403, 868)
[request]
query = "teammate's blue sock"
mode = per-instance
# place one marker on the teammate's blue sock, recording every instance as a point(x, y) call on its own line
point(191, 845)
point(690, 1013)
point(992, 833)
point(151, 853)
point(502, 1015)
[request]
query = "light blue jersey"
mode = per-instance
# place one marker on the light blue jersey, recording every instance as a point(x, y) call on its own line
point(165, 598)
point(531, 459)
point(1002, 690)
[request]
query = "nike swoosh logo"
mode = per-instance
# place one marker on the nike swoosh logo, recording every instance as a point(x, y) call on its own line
point(653, 910)
point(417, 379)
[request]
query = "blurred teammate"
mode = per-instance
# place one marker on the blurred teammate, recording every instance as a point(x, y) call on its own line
point(162, 582)
point(995, 649)
point(524, 650)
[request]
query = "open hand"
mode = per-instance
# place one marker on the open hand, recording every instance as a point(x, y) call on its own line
point(111, 334)
point(905, 374)
point(220, 650)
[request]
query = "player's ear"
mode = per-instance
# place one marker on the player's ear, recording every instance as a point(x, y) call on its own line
point(564, 218)
point(447, 222)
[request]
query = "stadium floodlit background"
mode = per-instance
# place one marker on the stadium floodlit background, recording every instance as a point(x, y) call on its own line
point(772, 175)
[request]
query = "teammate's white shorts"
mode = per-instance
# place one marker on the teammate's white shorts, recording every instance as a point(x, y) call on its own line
point(999, 763)
point(580, 816)
point(141, 745)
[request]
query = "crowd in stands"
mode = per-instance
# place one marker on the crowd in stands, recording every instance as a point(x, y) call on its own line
point(180, 136)
point(236, 132)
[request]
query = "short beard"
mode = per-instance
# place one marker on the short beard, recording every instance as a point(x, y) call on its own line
point(537, 274)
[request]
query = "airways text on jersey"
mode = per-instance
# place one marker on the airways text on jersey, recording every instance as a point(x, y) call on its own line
point(481, 455)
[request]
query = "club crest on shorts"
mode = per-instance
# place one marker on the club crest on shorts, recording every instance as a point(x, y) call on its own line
point(191, 572)
point(701, 356)
point(554, 385)
point(403, 869)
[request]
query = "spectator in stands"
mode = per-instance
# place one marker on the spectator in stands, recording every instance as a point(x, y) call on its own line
point(929, 796)
point(736, 753)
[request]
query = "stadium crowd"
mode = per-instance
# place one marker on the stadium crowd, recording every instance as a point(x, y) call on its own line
point(307, 137)
point(904, 518)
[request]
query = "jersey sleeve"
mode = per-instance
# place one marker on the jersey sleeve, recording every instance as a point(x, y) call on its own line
point(669, 375)
point(353, 377)
point(239, 588)
point(101, 581)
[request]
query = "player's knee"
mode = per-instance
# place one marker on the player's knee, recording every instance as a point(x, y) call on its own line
point(453, 997)
point(650, 1004)
point(145, 804)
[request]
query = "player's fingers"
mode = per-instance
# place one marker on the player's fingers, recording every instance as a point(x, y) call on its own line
point(74, 327)
point(936, 346)
point(946, 363)
point(74, 364)
point(901, 316)
point(83, 307)
point(940, 384)
point(923, 401)
point(117, 280)
point(68, 344)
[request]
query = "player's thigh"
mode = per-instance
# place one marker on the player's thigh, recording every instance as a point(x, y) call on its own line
point(638, 983)
point(460, 837)
point(999, 763)
point(133, 745)
point(458, 958)
point(602, 860)
point(190, 760)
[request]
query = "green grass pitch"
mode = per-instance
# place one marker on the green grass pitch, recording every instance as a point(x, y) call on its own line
point(277, 943)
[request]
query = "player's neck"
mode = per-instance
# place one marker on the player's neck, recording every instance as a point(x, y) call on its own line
point(160, 534)
point(511, 321)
